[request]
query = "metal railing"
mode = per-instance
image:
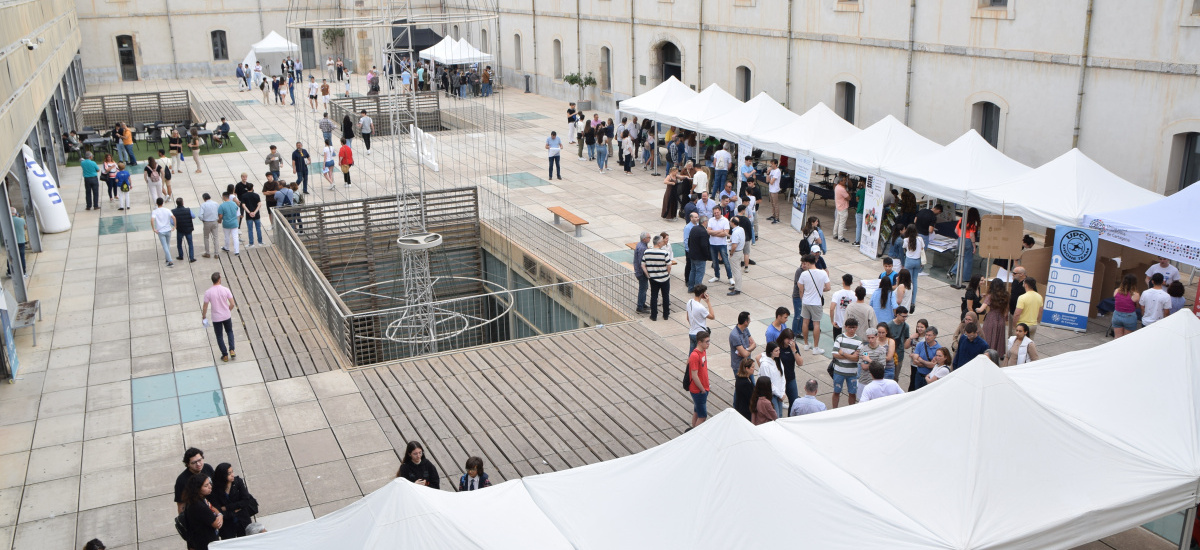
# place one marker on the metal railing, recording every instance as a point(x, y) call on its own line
point(321, 296)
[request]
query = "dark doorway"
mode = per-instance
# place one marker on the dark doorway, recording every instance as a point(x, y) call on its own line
point(1191, 160)
point(672, 61)
point(126, 57)
point(308, 54)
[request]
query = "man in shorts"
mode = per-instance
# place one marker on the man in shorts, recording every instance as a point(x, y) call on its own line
point(698, 373)
point(313, 92)
point(811, 283)
point(845, 363)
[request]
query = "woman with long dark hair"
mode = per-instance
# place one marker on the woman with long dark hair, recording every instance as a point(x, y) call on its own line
point(903, 288)
point(670, 202)
point(970, 299)
point(771, 368)
point(914, 246)
point(883, 301)
point(995, 312)
point(743, 387)
point(971, 225)
point(348, 129)
point(203, 520)
point(230, 496)
point(761, 408)
point(416, 469)
point(812, 234)
point(589, 139)
point(790, 357)
point(1124, 319)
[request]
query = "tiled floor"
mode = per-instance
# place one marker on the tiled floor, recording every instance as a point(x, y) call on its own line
point(520, 179)
point(123, 378)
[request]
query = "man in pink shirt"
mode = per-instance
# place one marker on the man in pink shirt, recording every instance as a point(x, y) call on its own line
point(841, 203)
point(221, 301)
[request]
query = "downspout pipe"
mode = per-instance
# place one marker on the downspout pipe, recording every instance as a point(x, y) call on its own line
point(700, 49)
point(533, 12)
point(1083, 63)
point(912, 32)
point(787, 81)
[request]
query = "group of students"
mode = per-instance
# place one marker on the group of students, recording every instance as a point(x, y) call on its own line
point(605, 139)
point(212, 504)
point(415, 468)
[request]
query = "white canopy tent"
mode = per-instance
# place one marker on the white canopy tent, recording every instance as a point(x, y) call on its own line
point(956, 170)
point(455, 52)
point(985, 458)
point(271, 51)
point(1062, 191)
point(1166, 227)
point(708, 104)
point(651, 103)
point(746, 121)
point(818, 127)
point(885, 143)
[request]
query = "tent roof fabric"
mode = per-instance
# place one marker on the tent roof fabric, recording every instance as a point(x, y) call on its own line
point(650, 104)
point(274, 43)
point(886, 142)
point(818, 127)
point(743, 123)
point(956, 170)
point(421, 38)
point(1012, 461)
point(455, 52)
point(1062, 191)
point(708, 104)
point(1170, 219)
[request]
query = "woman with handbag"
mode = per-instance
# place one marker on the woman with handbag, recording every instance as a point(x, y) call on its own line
point(230, 496)
point(345, 161)
point(153, 175)
point(108, 172)
point(201, 518)
point(914, 260)
point(329, 154)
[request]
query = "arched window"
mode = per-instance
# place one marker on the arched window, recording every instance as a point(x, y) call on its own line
point(517, 52)
point(605, 69)
point(483, 41)
point(219, 46)
point(454, 32)
point(985, 119)
point(671, 60)
point(845, 103)
point(742, 87)
point(558, 60)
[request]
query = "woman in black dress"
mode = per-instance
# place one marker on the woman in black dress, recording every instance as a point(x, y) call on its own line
point(416, 469)
point(348, 129)
point(230, 496)
point(202, 519)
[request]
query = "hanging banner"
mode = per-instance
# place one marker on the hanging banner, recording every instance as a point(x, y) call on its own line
point(804, 166)
point(1196, 303)
point(872, 216)
point(1072, 266)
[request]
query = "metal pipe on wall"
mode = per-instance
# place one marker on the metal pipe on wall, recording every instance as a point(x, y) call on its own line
point(699, 50)
point(632, 50)
point(533, 13)
point(1083, 62)
point(912, 32)
point(787, 80)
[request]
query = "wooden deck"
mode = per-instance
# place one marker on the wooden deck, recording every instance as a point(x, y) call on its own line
point(539, 405)
point(280, 327)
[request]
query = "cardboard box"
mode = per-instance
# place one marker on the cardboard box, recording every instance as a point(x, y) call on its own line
point(1000, 237)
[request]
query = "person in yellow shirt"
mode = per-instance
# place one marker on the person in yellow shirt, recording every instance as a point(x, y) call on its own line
point(126, 136)
point(1029, 307)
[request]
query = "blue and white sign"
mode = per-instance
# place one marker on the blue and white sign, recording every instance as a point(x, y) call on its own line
point(1072, 267)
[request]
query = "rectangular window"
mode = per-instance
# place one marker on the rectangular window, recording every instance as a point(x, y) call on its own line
point(219, 47)
point(993, 3)
point(1196, 7)
point(1191, 160)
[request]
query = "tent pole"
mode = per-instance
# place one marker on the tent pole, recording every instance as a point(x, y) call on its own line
point(958, 260)
point(1189, 521)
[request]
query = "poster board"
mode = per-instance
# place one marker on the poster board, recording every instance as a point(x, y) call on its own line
point(872, 216)
point(1072, 270)
point(1000, 237)
point(803, 177)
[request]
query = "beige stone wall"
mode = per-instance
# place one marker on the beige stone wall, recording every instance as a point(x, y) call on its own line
point(28, 78)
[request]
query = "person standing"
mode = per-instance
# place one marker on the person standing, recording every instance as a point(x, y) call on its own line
point(1125, 298)
point(416, 469)
point(741, 344)
point(203, 521)
point(194, 143)
point(721, 163)
point(241, 77)
point(366, 127)
point(970, 345)
point(252, 207)
point(348, 130)
point(1021, 348)
point(774, 180)
point(183, 230)
point(571, 118)
point(19, 234)
point(163, 222)
point(718, 244)
point(1155, 302)
point(91, 180)
point(325, 124)
point(227, 214)
point(879, 386)
point(329, 157)
point(657, 264)
point(126, 135)
point(220, 299)
point(1169, 272)
point(700, 312)
point(329, 74)
point(554, 152)
point(846, 354)
point(698, 252)
point(153, 175)
point(486, 78)
point(839, 302)
point(640, 272)
point(298, 67)
point(210, 219)
point(300, 160)
point(841, 202)
point(995, 307)
point(273, 162)
point(602, 146)
point(1029, 307)
point(923, 356)
point(124, 186)
point(291, 88)
point(314, 90)
point(808, 404)
point(698, 375)
point(738, 248)
point(812, 284)
point(345, 161)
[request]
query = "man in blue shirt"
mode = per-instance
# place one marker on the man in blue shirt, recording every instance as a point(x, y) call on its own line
point(227, 214)
point(747, 171)
point(809, 403)
point(91, 180)
point(554, 146)
point(300, 160)
point(777, 326)
point(889, 271)
point(923, 354)
point(970, 345)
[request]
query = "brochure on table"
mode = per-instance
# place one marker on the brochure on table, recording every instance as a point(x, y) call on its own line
point(1072, 267)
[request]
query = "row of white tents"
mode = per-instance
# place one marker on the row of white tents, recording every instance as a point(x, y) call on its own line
point(967, 171)
point(1052, 454)
point(273, 48)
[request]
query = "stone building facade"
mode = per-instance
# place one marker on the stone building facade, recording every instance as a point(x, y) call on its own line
point(1116, 79)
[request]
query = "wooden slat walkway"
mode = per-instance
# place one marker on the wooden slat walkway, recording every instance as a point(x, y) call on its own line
point(280, 327)
point(539, 405)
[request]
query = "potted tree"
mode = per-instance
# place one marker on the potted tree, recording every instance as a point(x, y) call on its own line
point(583, 82)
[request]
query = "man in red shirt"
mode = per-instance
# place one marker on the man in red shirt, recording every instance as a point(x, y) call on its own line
point(345, 161)
point(698, 370)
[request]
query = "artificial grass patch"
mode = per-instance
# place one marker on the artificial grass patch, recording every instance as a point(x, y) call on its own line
point(143, 151)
